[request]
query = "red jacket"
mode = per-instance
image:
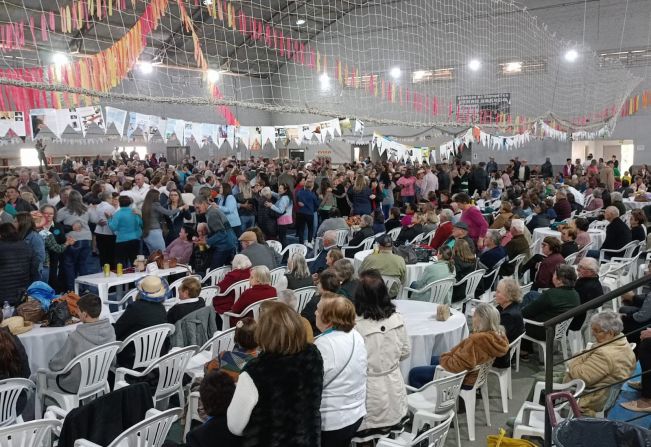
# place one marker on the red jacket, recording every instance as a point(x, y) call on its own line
point(224, 304)
point(443, 232)
point(253, 295)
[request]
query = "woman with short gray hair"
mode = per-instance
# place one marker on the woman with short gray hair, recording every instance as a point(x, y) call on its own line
point(508, 297)
point(346, 273)
point(365, 231)
point(609, 361)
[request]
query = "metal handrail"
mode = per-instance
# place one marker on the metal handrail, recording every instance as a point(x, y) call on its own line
point(550, 326)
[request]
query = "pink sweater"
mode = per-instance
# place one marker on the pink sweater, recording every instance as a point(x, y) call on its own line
point(179, 249)
point(477, 225)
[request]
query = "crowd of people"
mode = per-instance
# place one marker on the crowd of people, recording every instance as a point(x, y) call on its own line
point(336, 364)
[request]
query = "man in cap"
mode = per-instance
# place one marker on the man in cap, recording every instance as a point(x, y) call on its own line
point(258, 254)
point(386, 263)
point(460, 231)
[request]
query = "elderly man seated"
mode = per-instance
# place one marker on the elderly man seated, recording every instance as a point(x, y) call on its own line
point(365, 231)
point(329, 242)
point(333, 222)
point(587, 286)
point(386, 263)
point(518, 245)
point(610, 360)
point(444, 230)
point(259, 254)
point(618, 234)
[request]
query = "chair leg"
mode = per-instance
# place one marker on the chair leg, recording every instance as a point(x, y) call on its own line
point(456, 426)
point(517, 359)
point(510, 384)
point(469, 400)
point(486, 401)
point(502, 380)
point(564, 344)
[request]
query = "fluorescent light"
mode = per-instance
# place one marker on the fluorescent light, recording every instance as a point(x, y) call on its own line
point(395, 72)
point(212, 75)
point(571, 55)
point(60, 58)
point(145, 67)
point(325, 81)
point(513, 67)
point(300, 22)
point(207, 2)
point(474, 64)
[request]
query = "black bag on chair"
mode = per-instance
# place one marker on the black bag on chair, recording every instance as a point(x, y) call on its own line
point(406, 252)
point(58, 314)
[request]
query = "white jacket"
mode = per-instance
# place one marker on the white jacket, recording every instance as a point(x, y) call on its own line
point(387, 344)
point(343, 401)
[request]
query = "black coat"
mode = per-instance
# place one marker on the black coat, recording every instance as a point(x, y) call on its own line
point(103, 419)
point(568, 248)
point(357, 239)
point(408, 233)
point(266, 219)
point(289, 400)
point(588, 289)
point(511, 319)
point(18, 269)
point(617, 235)
point(213, 432)
point(138, 315)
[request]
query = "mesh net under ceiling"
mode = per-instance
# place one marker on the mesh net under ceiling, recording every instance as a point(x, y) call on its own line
point(412, 63)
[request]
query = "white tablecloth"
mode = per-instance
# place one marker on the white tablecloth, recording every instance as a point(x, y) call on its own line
point(428, 336)
point(596, 236)
point(414, 271)
point(630, 204)
point(41, 343)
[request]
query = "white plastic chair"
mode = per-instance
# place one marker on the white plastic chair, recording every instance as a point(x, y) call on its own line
point(504, 374)
point(418, 239)
point(435, 401)
point(277, 274)
point(530, 420)
point(366, 244)
point(294, 248)
point(192, 413)
point(29, 434)
point(391, 281)
point(276, 245)
point(221, 341)
point(208, 293)
point(439, 290)
point(625, 252)
point(526, 288)
point(490, 282)
point(213, 277)
point(254, 307)
point(147, 343)
point(394, 233)
point(342, 237)
point(170, 374)
point(435, 437)
point(471, 281)
point(93, 366)
point(151, 432)
point(124, 301)
point(174, 287)
point(10, 391)
point(427, 239)
point(303, 296)
point(517, 261)
point(237, 288)
point(560, 335)
point(571, 259)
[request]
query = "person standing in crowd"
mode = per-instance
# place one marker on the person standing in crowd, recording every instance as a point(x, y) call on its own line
point(75, 218)
point(284, 207)
point(176, 204)
point(471, 216)
point(308, 204)
point(27, 232)
point(104, 236)
point(220, 235)
point(246, 205)
point(18, 264)
point(155, 219)
point(126, 224)
point(360, 197)
point(227, 203)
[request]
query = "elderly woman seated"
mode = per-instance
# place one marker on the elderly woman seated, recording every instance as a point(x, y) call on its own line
point(609, 361)
point(346, 273)
point(486, 342)
point(508, 297)
point(241, 270)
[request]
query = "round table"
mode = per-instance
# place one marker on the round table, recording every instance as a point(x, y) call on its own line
point(414, 271)
point(596, 236)
point(427, 335)
point(41, 343)
point(630, 204)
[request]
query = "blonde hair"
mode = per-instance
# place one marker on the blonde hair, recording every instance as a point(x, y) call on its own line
point(488, 319)
point(192, 286)
point(463, 251)
point(260, 274)
point(338, 311)
point(280, 330)
point(511, 289)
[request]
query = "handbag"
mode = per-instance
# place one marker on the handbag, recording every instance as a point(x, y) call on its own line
point(58, 314)
point(406, 252)
point(72, 301)
point(502, 440)
point(31, 311)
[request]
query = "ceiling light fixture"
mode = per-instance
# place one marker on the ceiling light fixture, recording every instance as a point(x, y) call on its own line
point(513, 67)
point(145, 67)
point(60, 58)
point(213, 75)
point(325, 81)
point(300, 22)
point(474, 64)
point(571, 55)
point(395, 72)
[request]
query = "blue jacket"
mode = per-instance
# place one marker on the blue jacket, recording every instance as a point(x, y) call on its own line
point(309, 200)
point(38, 246)
point(126, 225)
point(361, 203)
point(229, 208)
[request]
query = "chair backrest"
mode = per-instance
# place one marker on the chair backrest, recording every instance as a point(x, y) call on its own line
point(516, 263)
point(170, 371)
point(482, 374)
point(29, 434)
point(630, 248)
point(220, 342)
point(367, 243)
point(571, 259)
point(427, 239)
point(394, 233)
point(255, 307)
point(435, 436)
point(277, 274)
point(443, 392)
point(276, 245)
point(213, 277)
point(561, 329)
point(126, 298)
point(10, 390)
point(342, 237)
point(598, 225)
point(303, 296)
point(526, 288)
point(418, 239)
point(513, 346)
point(390, 281)
point(295, 248)
point(149, 433)
point(208, 293)
point(439, 290)
point(238, 288)
point(174, 287)
point(472, 281)
point(94, 366)
point(147, 343)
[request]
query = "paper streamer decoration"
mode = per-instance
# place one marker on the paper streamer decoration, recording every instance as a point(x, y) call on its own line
point(12, 122)
point(117, 117)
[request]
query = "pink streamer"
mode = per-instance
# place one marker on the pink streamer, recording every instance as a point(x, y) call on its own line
point(31, 29)
point(52, 22)
point(43, 28)
point(281, 44)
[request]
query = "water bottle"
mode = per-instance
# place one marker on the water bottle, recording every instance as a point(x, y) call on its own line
point(6, 310)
